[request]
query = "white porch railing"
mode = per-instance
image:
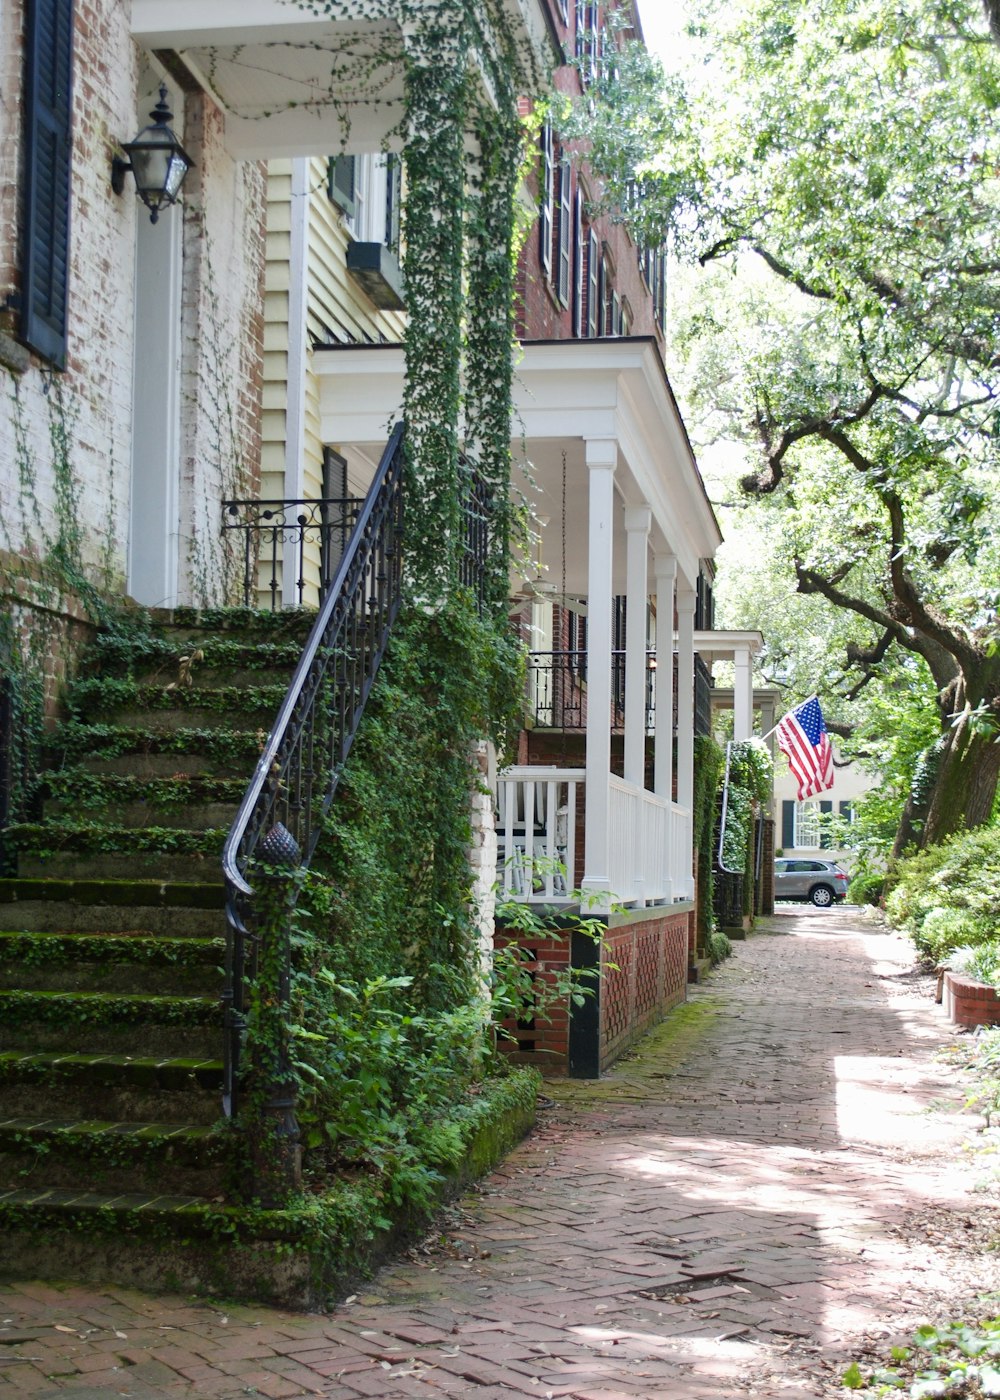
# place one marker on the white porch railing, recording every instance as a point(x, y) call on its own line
point(536, 832)
point(649, 859)
point(681, 851)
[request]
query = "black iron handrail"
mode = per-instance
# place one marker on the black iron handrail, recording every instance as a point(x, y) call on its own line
point(300, 765)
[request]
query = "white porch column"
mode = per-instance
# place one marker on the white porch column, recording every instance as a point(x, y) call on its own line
point(742, 695)
point(685, 696)
point(638, 520)
point(295, 380)
point(665, 571)
point(601, 457)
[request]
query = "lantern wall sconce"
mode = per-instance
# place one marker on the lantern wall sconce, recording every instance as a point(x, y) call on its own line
point(156, 159)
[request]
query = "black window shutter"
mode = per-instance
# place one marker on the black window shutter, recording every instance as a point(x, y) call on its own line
point(47, 166)
point(824, 833)
point(341, 182)
point(787, 825)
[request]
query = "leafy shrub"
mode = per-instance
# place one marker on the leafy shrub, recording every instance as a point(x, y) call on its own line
point(982, 964)
point(719, 947)
point(949, 894)
point(866, 887)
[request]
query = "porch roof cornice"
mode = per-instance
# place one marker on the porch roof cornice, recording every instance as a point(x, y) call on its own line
point(615, 388)
point(725, 645)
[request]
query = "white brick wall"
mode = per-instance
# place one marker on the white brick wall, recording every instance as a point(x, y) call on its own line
point(222, 272)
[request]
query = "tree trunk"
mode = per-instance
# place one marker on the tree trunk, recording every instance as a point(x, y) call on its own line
point(965, 786)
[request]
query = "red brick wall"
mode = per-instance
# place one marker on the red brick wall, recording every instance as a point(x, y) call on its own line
point(542, 1041)
point(969, 1003)
point(540, 314)
point(644, 969)
point(651, 958)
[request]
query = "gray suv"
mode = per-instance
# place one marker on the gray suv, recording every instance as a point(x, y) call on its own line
point(823, 881)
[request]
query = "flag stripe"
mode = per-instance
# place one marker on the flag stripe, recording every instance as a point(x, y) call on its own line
point(803, 739)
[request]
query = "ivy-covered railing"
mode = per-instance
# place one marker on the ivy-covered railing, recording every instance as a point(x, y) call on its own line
point(282, 815)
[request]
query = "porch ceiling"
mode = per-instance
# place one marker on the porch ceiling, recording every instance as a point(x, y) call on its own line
point(294, 82)
point(566, 392)
point(290, 82)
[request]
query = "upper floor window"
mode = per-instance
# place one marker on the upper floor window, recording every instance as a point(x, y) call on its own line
point(594, 285)
point(563, 233)
point(588, 39)
point(580, 268)
point(546, 178)
point(48, 141)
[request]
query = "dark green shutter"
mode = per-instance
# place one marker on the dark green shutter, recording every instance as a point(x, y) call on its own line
point(48, 154)
point(825, 808)
point(787, 825)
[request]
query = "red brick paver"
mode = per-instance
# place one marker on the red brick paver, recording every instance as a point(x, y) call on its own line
point(726, 1214)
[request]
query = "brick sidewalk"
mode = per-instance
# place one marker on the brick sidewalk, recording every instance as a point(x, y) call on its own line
point(722, 1216)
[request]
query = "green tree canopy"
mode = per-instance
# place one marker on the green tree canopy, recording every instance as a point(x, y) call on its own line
point(841, 158)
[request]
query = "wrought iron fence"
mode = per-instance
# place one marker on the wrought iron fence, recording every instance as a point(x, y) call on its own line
point(308, 536)
point(299, 768)
point(557, 694)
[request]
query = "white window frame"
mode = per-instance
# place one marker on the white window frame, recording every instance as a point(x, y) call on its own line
point(807, 829)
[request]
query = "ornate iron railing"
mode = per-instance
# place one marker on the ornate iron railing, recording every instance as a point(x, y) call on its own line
point(557, 695)
point(307, 536)
point(281, 817)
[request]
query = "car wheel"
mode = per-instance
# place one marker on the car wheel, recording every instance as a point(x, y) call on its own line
point(821, 896)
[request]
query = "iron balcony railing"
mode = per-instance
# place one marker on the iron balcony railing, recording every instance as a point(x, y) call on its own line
point(302, 760)
point(557, 691)
point(306, 537)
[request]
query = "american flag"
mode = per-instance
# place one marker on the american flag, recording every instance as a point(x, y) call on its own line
point(803, 740)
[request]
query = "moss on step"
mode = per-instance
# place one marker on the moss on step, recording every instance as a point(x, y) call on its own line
point(227, 745)
point(80, 789)
point(141, 1072)
point(105, 695)
point(67, 1009)
point(145, 894)
point(51, 837)
point(307, 1255)
point(31, 949)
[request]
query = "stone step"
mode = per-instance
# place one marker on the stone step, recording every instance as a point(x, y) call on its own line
point(37, 1150)
point(122, 1086)
point(163, 656)
point(142, 815)
point(93, 1022)
point(143, 751)
point(110, 962)
point(172, 1242)
point(112, 906)
point(164, 707)
point(92, 851)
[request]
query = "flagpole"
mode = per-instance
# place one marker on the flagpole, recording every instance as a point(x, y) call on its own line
point(814, 696)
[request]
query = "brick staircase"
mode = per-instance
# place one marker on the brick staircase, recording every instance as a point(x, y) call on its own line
point(114, 1158)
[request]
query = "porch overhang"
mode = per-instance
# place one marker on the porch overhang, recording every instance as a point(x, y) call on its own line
point(566, 394)
point(294, 81)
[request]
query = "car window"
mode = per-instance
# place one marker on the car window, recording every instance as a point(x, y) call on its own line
point(815, 865)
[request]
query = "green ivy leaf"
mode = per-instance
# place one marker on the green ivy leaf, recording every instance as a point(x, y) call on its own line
point(852, 1378)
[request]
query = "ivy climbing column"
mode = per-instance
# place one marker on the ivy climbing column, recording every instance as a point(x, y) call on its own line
point(489, 359)
point(437, 50)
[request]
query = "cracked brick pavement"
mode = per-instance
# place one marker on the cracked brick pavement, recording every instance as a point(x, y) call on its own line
point(777, 1173)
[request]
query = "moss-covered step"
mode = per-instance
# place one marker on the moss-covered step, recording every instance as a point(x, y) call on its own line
point(110, 962)
point(112, 906)
point(171, 707)
point(88, 850)
point(144, 752)
point(111, 1086)
point(163, 657)
point(110, 1021)
point(306, 1256)
point(37, 1151)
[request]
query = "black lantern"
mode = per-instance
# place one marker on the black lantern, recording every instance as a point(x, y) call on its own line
point(157, 160)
